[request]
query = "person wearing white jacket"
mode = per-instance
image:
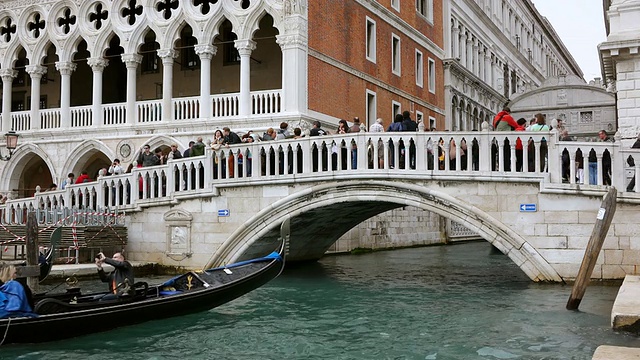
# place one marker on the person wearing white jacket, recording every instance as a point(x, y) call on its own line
point(115, 168)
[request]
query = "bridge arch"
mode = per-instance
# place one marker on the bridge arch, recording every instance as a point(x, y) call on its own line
point(359, 200)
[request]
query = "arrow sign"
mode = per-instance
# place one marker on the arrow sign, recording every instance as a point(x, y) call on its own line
point(528, 208)
point(223, 212)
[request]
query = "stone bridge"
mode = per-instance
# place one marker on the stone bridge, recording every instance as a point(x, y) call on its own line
point(228, 204)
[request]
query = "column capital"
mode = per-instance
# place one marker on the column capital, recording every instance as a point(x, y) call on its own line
point(245, 47)
point(131, 60)
point(288, 41)
point(167, 54)
point(97, 63)
point(66, 67)
point(206, 51)
point(8, 74)
point(36, 71)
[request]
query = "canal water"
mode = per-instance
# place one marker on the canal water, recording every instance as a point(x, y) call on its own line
point(446, 302)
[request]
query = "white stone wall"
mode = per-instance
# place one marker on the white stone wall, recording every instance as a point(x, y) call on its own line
point(556, 234)
point(628, 89)
point(408, 226)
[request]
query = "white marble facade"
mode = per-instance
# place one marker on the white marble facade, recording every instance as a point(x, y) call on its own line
point(620, 60)
point(496, 50)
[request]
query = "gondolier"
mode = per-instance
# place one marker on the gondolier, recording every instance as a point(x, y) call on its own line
point(120, 279)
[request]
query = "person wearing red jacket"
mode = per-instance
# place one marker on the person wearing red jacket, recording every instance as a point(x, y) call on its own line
point(522, 122)
point(504, 121)
point(83, 178)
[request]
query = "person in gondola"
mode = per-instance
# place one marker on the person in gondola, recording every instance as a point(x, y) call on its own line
point(14, 301)
point(120, 280)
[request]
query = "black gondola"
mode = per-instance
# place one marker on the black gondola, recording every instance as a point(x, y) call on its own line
point(74, 314)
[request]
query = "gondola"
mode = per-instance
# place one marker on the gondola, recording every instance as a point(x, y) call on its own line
point(73, 314)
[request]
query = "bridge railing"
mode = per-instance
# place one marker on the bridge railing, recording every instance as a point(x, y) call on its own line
point(485, 156)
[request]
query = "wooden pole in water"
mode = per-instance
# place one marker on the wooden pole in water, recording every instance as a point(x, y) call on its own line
point(32, 248)
point(600, 229)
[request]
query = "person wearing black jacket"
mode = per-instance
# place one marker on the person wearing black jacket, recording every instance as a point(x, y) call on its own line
point(120, 280)
point(230, 137)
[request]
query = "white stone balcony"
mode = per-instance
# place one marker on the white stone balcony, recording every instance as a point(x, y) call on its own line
point(185, 109)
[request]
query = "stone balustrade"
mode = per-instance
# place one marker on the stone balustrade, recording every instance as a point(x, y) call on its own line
point(481, 156)
point(267, 102)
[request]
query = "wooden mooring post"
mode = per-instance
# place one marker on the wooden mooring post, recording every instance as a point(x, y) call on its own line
point(600, 229)
point(33, 269)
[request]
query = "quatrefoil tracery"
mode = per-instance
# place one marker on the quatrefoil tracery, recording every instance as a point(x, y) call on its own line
point(36, 25)
point(98, 16)
point(8, 29)
point(66, 21)
point(132, 11)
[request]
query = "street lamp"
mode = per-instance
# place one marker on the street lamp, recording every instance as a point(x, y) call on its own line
point(11, 139)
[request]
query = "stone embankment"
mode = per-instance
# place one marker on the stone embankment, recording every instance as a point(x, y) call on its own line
point(625, 316)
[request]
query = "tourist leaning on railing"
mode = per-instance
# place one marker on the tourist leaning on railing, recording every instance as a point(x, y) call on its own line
point(541, 125)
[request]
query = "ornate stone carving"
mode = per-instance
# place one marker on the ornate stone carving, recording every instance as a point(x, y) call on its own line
point(291, 41)
point(97, 63)
point(206, 51)
point(36, 71)
point(245, 47)
point(66, 67)
point(611, 85)
point(168, 54)
point(178, 224)
point(8, 74)
point(292, 7)
point(132, 60)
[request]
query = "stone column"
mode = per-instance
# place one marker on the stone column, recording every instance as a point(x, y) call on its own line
point(167, 56)
point(481, 58)
point(294, 45)
point(97, 65)
point(470, 53)
point(488, 70)
point(476, 58)
point(206, 53)
point(7, 82)
point(131, 61)
point(245, 47)
point(455, 41)
point(463, 49)
point(495, 71)
point(36, 72)
point(65, 68)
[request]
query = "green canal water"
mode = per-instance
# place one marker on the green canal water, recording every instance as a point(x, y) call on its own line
point(446, 302)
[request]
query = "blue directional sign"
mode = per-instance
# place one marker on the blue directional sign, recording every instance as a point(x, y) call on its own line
point(223, 212)
point(528, 208)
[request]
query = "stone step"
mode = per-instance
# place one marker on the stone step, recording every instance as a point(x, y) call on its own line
point(625, 313)
point(607, 352)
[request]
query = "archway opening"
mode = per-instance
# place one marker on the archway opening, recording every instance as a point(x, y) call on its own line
point(35, 173)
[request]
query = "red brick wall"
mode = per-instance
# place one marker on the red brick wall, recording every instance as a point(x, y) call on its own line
point(337, 28)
